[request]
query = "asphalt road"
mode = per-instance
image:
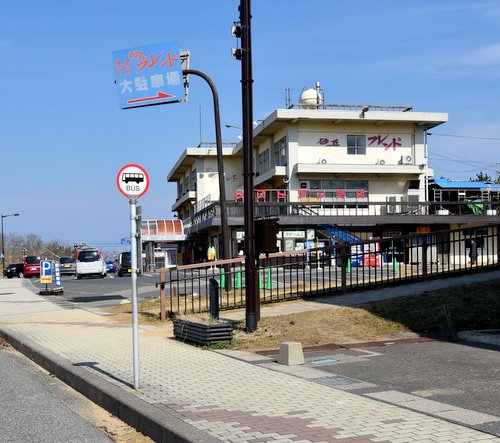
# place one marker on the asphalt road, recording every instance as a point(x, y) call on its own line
point(39, 408)
point(462, 374)
point(103, 292)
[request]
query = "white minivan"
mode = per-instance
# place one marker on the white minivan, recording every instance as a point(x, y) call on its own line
point(89, 262)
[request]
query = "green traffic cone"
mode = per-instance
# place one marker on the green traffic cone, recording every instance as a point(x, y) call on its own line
point(269, 280)
point(237, 282)
point(222, 278)
point(395, 265)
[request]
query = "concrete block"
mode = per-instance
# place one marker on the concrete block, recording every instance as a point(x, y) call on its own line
point(291, 354)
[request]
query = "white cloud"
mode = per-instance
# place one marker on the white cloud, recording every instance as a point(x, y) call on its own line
point(488, 56)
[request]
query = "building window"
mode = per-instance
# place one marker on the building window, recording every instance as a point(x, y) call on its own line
point(280, 153)
point(192, 186)
point(263, 162)
point(356, 144)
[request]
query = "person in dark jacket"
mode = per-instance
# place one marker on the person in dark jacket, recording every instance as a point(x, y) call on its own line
point(473, 252)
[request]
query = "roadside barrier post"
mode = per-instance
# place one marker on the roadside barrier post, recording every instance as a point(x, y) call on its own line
point(214, 299)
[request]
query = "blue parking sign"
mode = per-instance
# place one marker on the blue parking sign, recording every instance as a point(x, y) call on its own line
point(45, 271)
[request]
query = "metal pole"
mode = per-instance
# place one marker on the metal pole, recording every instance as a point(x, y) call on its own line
point(226, 246)
point(3, 244)
point(247, 118)
point(135, 321)
point(3, 252)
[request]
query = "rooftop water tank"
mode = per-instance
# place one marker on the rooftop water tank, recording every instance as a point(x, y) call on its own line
point(311, 98)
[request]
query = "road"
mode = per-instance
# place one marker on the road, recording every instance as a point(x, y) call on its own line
point(39, 408)
point(105, 292)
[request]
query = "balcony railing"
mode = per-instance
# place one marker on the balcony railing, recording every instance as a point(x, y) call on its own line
point(351, 208)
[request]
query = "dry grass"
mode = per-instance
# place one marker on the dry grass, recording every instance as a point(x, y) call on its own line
point(475, 306)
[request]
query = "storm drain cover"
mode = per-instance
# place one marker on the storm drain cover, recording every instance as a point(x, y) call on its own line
point(323, 361)
point(335, 381)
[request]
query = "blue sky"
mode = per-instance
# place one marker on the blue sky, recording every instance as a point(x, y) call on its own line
point(63, 136)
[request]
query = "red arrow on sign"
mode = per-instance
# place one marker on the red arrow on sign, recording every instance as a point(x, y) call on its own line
point(156, 97)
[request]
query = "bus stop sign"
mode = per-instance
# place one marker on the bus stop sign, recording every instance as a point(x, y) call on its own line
point(132, 180)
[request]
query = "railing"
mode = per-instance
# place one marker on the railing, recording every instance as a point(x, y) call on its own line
point(350, 208)
point(334, 269)
point(353, 107)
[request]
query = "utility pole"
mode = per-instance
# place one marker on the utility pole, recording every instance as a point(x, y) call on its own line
point(252, 302)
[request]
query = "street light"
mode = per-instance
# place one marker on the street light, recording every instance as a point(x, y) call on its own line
point(3, 244)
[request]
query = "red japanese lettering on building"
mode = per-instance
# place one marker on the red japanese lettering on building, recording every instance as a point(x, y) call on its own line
point(396, 142)
point(380, 140)
point(360, 193)
point(281, 194)
point(238, 195)
point(261, 194)
point(320, 194)
point(328, 142)
point(302, 193)
point(340, 193)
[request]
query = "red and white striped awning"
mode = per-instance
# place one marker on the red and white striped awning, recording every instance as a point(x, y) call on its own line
point(162, 230)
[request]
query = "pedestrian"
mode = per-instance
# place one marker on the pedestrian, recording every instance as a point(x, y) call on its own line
point(473, 252)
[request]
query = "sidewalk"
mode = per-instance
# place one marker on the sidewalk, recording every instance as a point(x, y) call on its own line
point(187, 394)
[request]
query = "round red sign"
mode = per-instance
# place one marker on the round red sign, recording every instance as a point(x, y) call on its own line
point(132, 180)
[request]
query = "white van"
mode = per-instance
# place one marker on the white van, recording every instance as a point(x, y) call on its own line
point(89, 262)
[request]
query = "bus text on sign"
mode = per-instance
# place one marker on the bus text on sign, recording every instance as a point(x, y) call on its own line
point(132, 180)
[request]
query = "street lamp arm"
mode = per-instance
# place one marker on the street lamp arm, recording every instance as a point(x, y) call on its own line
point(226, 250)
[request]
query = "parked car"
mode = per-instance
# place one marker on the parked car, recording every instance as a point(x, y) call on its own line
point(124, 264)
point(89, 262)
point(31, 266)
point(67, 265)
point(15, 270)
point(110, 266)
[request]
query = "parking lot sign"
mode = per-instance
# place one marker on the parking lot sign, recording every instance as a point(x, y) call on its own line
point(45, 271)
point(148, 75)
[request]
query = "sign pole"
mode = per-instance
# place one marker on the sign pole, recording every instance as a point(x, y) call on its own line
point(135, 321)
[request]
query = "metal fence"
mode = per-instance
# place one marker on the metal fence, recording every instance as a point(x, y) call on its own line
point(333, 269)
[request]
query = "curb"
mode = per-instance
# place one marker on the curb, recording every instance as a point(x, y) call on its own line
point(144, 417)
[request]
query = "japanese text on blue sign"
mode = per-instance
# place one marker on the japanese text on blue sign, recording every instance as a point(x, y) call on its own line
point(148, 75)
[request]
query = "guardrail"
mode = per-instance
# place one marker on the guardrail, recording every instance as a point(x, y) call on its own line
point(333, 269)
point(350, 208)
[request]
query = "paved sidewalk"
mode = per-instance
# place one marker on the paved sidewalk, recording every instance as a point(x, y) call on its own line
point(187, 394)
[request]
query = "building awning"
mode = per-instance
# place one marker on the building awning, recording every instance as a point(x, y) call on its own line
point(162, 230)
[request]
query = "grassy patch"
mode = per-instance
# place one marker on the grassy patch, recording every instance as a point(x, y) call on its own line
point(474, 306)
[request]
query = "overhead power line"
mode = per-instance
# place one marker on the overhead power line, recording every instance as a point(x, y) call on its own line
point(464, 136)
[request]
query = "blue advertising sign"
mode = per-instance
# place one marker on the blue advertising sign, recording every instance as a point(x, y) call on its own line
point(148, 75)
point(57, 274)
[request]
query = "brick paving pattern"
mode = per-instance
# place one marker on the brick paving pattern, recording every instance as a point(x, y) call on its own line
point(232, 400)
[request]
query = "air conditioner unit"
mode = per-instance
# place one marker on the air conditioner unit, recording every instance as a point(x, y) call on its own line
point(381, 162)
point(323, 161)
point(406, 159)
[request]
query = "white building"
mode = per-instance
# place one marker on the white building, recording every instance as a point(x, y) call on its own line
point(322, 170)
